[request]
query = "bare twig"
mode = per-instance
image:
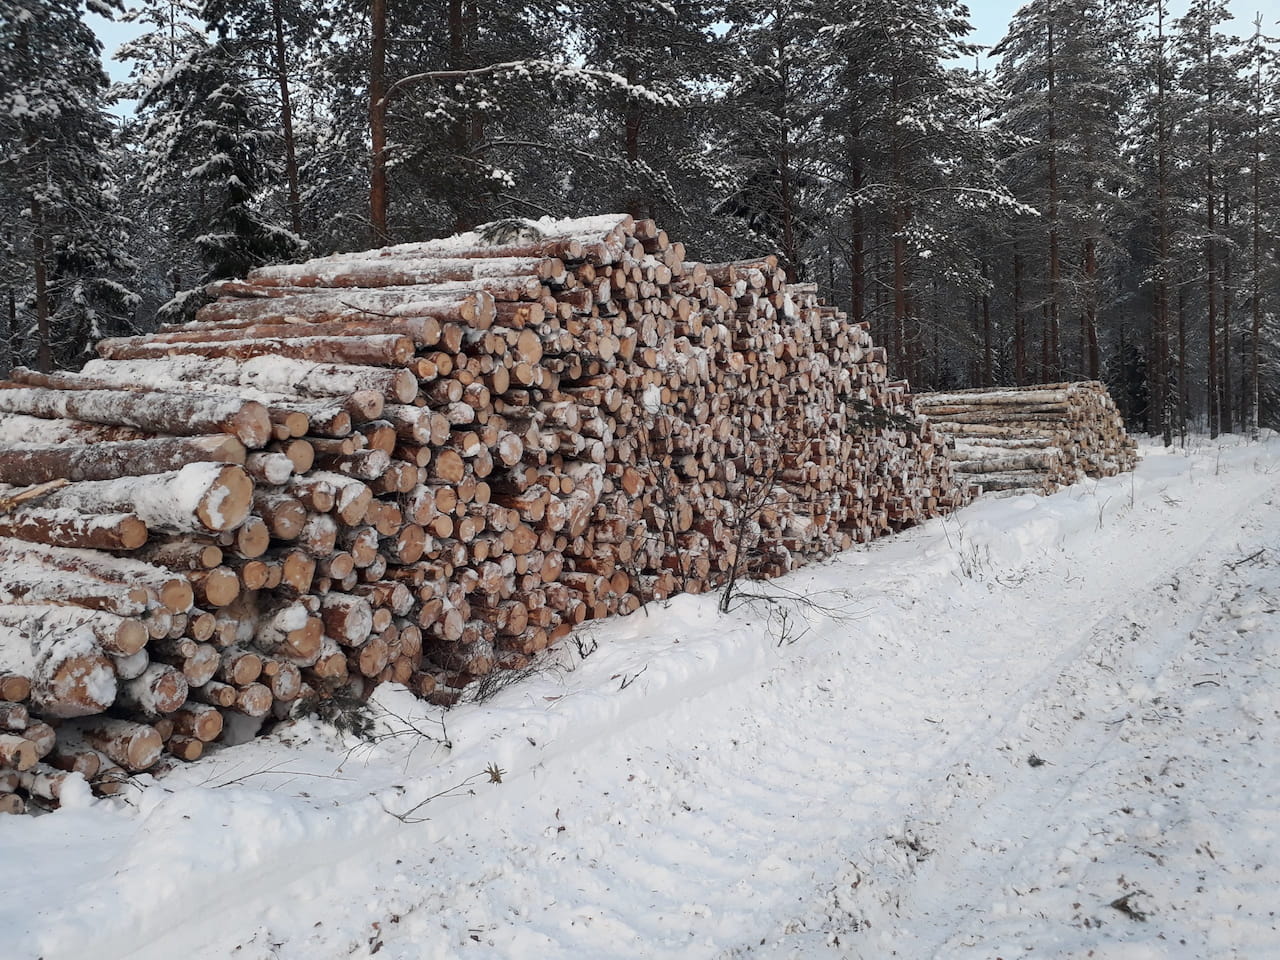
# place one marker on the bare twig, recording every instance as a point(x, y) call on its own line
point(1249, 559)
point(408, 815)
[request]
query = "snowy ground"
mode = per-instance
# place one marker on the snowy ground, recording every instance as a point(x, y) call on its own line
point(1041, 728)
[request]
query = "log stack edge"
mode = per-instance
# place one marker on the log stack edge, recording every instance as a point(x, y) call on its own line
point(1034, 439)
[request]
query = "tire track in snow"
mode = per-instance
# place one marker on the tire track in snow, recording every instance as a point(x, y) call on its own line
point(917, 893)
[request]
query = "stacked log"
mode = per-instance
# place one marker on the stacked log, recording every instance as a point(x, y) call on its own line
point(1032, 439)
point(421, 464)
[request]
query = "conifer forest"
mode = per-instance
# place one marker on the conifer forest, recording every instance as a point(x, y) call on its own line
point(1096, 197)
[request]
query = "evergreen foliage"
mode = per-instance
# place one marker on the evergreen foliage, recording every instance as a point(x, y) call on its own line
point(1097, 197)
point(65, 264)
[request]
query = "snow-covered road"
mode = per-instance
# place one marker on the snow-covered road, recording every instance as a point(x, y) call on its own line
point(1040, 728)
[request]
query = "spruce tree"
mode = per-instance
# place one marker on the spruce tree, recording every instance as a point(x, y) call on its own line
point(209, 130)
point(67, 271)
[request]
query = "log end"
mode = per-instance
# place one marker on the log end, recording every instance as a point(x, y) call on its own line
point(129, 637)
point(251, 425)
point(131, 532)
point(227, 500)
point(77, 686)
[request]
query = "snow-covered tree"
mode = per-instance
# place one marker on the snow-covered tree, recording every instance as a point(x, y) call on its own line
point(767, 126)
point(1209, 92)
point(65, 268)
point(912, 159)
point(209, 130)
point(1064, 86)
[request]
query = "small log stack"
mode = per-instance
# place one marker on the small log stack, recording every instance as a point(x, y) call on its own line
point(1033, 439)
point(420, 464)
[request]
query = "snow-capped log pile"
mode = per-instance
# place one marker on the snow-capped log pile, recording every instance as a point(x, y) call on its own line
point(1032, 439)
point(421, 464)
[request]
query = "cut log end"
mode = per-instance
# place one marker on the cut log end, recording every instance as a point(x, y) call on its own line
point(226, 502)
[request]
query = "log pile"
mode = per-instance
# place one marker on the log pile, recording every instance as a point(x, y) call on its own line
point(1033, 439)
point(420, 464)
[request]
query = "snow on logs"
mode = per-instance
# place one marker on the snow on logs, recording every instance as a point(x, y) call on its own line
point(1032, 439)
point(418, 464)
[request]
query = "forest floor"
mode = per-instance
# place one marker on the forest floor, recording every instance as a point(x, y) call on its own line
point(1044, 727)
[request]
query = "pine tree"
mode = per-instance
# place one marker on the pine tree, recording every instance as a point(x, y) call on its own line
point(669, 50)
point(1150, 149)
point(1257, 62)
point(65, 233)
point(210, 130)
point(767, 125)
point(913, 161)
point(272, 35)
point(1205, 89)
point(168, 258)
point(1064, 84)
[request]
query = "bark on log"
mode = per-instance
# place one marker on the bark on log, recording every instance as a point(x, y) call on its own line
point(67, 528)
point(198, 498)
point(377, 351)
point(121, 636)
point(169, 413)
point(107, 461)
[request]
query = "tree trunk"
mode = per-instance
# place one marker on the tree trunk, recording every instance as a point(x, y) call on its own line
point(975, 331)
point(1090, 345)
point(1055, 265)
point(1227, 418)
point(458, 133)
point(1161, 366)
point(1019, 325)
point(1211, 275)
point(631, 119)
point(1256, 285)
point(9, 332)
point(286, 122)
point(906, 360)
point(44, 351)
point(378, 122)
point(1184, 385)
point(1046, 343)
point(858, 257)
point(790, 255)
point(987, 359)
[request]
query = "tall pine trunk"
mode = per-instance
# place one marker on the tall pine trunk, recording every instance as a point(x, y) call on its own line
point(987, 360)
point(1055, 263)
point(1046, 340)
point(1019, 325)
point(378, 122)
point(790, 254)
point(286, 122)
point(906, 362)
point(44, 351)
point(458, 133)
point(1184, 384)
point(1211, 291)
point(1160, 369)
point(1256, 284)
point(1228, 415)
point(858, 251)
point(9, 331)
point(631, 119)
point(1089, 316)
